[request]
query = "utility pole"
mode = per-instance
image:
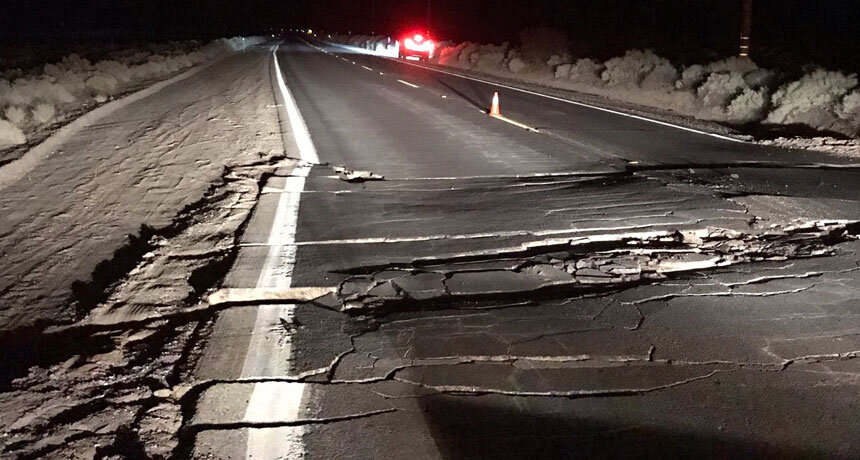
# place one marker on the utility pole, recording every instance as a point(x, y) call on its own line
point(746, 26)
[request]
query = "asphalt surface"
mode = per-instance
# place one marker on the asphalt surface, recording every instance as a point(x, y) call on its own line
point(493, 300)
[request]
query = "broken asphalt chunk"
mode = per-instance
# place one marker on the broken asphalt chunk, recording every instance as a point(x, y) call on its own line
point(350, 175)
point(251, 296)
point(605, 263)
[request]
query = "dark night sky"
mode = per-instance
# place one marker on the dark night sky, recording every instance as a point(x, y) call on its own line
point(785, 31)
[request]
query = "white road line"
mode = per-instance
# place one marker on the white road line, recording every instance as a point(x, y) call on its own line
point(515, 123)
point(560, 99)
point(366, 67)
point(408, 84)
point(307, 151)
point(267, 357)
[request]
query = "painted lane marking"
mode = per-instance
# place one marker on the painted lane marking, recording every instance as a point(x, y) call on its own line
point(278, 401)
point(515, 123)
point(367, 68)
point(408, 84)
point(307, 150)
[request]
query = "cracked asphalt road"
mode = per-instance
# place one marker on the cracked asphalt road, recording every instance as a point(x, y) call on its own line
point(509, 294)
point(410, 278)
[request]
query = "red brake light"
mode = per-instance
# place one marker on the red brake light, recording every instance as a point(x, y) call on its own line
point(419, 43)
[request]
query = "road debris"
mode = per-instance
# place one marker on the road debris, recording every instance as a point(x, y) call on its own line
point(249, 296)
point(350, 175)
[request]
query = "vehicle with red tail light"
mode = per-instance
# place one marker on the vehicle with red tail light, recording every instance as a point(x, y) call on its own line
point(416, 46)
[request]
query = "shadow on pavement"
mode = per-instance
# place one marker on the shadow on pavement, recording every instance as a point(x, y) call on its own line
point(474, 100)
point(475, 427)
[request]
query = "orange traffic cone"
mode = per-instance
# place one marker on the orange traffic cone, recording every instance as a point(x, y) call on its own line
point(494, 110)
